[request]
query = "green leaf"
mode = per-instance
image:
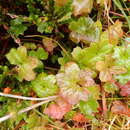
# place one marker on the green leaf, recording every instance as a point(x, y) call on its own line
point(110, 88)
point(45, 85)
point(63, 60)
point(82, 25)
point(25, 63)
point(69, 115)
point(94, 91)
point(46, 27)
point(90, 55)
point(17, 27)
point(69, 82)
point(30, 45)
point(85, 30)
point(26, 72)
point(33, 121)
point(18, 56)
point(122, 56)
point(89, 107)
point(123, 78)
point(40, 54)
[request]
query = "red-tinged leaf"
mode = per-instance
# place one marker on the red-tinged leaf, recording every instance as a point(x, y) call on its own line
point(125, 89)
point(58, 110)
point(105, 76)
point(120, 108)
point(115, 32)
point(78, 117)
point(7, 90)
point(74, 94)
point(49, 45)
point(71, 83)
point(86, 79)
point(117, 70)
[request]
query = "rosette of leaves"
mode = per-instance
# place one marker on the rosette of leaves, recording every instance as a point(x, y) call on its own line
point(45, 85)
point(107, 69)
point(88, 56)
point(25, 64)
point(73, 82)
point(85, 30)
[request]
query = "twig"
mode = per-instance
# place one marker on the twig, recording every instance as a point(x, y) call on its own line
point(24, 110)
point(117, 14)
point(27, 98)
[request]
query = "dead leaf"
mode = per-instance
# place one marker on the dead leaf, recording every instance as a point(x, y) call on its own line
point(120, 108)
point(78, 117)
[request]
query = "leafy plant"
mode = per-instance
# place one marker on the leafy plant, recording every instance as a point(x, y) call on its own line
point(55, 83)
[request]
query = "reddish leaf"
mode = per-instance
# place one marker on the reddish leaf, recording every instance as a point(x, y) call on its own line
point(120, 108)
point(7, 90)
point(49, 44)
point(58, 110)
point(72, 82)
point(115, 32)
point(80, 118)
point(125, 89)
point(74, 95)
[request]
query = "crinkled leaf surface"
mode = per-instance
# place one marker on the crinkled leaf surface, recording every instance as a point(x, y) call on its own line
point(46, 27)
point(90, 55)
point(122, 56)
point(107, 69)
point(40, 54)
point(49, 44)
point(17, 27)
point(25, 63)
point(18, 56)
point(68, 83)
point(58, 110)
point(89, 107)
point(85, 30)
point(45, 85)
